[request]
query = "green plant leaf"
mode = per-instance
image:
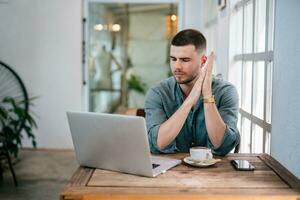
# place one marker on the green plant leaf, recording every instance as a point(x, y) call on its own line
point(34, 143)
point(31, 121)
point(3, 112)
point(14, 119)
point(135, 83)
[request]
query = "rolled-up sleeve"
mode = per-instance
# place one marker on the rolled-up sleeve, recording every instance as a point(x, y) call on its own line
point(155, 116)
point(228, 109)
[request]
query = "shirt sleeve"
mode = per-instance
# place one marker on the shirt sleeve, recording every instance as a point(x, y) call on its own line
point(228, 109)
point(155, 116)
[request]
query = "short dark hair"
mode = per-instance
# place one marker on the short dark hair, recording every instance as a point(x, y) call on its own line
point(190, 36)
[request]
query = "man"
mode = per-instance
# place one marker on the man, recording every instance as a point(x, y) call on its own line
point(191, 108)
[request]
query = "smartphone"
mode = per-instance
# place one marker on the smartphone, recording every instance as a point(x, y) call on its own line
point(242, 165)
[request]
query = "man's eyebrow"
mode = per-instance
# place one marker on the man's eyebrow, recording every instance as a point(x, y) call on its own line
point(185, 58)
point(180, 58)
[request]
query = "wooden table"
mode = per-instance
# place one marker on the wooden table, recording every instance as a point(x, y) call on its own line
point(186, 182)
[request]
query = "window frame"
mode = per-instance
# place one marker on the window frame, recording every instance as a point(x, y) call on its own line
point(267, 57)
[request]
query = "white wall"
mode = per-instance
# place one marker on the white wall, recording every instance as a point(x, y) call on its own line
point(285, 141)
point(41, 40)
point(192, 17)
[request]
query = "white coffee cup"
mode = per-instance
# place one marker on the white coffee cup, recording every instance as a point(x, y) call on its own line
point(200, 153)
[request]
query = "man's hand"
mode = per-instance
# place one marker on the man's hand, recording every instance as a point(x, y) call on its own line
point(214, 123)
point(197, 88)
point(206, 86)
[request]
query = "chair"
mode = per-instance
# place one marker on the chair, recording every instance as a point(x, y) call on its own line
point(141, 112)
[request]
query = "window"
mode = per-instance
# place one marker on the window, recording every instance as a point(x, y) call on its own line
point(250, 69)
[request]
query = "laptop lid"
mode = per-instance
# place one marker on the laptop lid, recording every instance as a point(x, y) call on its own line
point(110, 141)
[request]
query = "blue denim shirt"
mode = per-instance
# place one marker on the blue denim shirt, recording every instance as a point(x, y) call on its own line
point(165, 98)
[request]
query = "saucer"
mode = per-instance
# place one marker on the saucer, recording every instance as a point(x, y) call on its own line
point(205, 163)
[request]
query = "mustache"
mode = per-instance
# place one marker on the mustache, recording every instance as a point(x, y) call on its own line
point(178, 72)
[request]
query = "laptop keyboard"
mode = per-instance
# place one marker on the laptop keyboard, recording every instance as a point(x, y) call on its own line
point(154, 165)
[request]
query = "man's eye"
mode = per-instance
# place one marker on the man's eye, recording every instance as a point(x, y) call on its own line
point(173, 59)
point(186, 59)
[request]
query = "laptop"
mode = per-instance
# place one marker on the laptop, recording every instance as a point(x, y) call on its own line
point(115, 142)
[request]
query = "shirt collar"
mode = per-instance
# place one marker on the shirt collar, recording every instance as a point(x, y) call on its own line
point(179, 92)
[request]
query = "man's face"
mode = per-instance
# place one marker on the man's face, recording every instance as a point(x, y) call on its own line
point(185, 62)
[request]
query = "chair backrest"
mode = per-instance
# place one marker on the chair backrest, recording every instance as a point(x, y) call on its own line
point(237, 147)
point(141, 112)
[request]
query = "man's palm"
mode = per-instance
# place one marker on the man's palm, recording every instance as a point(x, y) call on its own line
point(206, 87)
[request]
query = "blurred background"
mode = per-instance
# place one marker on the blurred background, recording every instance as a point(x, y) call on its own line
point(103, 56)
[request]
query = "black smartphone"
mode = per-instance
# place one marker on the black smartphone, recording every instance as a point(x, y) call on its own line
point(242, 165)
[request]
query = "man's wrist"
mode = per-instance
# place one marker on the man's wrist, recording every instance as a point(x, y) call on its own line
point(210, 99)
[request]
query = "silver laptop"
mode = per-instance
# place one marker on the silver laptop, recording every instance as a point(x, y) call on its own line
point(115, 142)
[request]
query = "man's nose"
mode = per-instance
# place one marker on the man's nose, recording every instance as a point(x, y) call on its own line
point(177, 65)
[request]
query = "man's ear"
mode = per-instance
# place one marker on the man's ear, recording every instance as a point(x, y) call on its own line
point(203, 59)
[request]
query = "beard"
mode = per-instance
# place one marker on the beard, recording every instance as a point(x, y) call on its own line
point(187, 80)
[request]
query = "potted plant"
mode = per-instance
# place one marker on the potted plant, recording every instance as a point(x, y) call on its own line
point(14, 120)
point(135, 83)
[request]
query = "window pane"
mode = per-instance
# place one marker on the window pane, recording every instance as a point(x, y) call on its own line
point(258, 89)
point(236, 32)
point(269, 92)
point(268, 143)
point(239, 125)
point(248, 27)
point(260, 26)
point(247, 85)
point(257, 139)
point(245, 136)
point(271, 25)
point(234, 76)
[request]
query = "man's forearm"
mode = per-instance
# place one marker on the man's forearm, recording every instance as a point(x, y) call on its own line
point(170, 128)
point(214, 124)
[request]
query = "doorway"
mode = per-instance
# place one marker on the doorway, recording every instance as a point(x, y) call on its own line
point(126, 51)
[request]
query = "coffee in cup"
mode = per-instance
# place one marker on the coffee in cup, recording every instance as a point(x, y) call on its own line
point(200, 153)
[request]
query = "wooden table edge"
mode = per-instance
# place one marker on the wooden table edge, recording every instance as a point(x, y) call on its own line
point(190, 197)
point(281, 171)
